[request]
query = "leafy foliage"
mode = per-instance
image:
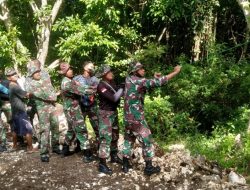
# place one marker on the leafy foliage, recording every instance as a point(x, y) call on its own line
point(82, 40)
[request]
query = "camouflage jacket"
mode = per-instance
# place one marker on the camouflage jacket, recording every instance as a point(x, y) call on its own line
point(43, 91)
point(135, 89)
point(70, 92)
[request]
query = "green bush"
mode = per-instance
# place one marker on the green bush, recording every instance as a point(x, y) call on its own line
point(221, 145)
point(163, 121)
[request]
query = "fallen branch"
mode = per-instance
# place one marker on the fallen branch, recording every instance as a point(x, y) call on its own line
point(207, 168)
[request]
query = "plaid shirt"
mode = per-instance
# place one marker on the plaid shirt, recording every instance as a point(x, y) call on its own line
point(92, 81)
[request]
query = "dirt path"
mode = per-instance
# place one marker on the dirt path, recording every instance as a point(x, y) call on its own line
point(25, 171)
point(19, 170)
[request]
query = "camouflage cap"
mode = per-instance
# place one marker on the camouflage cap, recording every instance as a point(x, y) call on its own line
point(9, 71)
point(64, 67)
point(103, 70)
point(33, 69)
point(135, 66)
point(34, 63)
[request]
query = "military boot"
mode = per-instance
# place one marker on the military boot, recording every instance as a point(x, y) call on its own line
point(44, 158)
point(65, 151)
point(78, 146)
point(87, 156)
point(3, 148)
point(103, 168)
point(150, 169)
point(115, 158)
point(126, 165)
point(56, 149)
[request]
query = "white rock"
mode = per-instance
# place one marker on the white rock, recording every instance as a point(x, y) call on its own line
point(101, 175)
point(176, 147)
point(167, 177)
point(236, 178)
point(185, 171)
point(156, 179)
point(104, 188)
point(213, 186)
point(173, 173)
point(137, 187)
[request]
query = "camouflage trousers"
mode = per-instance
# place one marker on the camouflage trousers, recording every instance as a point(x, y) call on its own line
point(61, 122)
point(48, 122)
point(92, 113)
point(138, 130)
point(3, 131)
point(109, 132)
point(4, 125)
point(77, 128)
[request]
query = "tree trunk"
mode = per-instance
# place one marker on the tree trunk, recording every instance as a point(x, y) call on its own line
point(44, 25)
point(245, 6)
point(204, 37)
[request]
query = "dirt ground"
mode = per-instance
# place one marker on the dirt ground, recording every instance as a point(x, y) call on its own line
point(20, 170)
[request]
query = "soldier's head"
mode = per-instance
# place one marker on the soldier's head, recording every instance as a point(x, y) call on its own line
point(89, 68)
point(66, 70)
point(34, 72)
point(105, 73)
point(34, 63)
point(11, 74)
point(136, 68)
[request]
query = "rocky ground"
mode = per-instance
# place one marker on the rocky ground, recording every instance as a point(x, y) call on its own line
point(19, 170)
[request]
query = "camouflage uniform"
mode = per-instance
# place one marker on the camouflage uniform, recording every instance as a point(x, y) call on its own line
point(77, 127)
point(45, 98)
point(92, 110)
point(109, 132)
point(6, 109)
point(61, 122)
point(58, 117)
point(109, 96)
point(135, 124)
point(3, 138)
point(32, 112)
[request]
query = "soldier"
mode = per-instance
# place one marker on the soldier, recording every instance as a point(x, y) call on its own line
point(22, 125)
point(58, 118)
point(70, 91)
point(135, 125)
point(45, 98)
point(109, 96)
point(6, 109)
point(87, 102)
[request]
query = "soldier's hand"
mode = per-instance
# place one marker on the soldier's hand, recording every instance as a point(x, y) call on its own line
point(77, 83)
point(177, 68)
point(59, 93)
point(90, 91)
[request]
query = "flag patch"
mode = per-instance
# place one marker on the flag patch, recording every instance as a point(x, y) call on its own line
point(103, 90)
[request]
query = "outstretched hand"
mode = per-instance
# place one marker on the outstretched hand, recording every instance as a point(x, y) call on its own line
point(177, 68)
